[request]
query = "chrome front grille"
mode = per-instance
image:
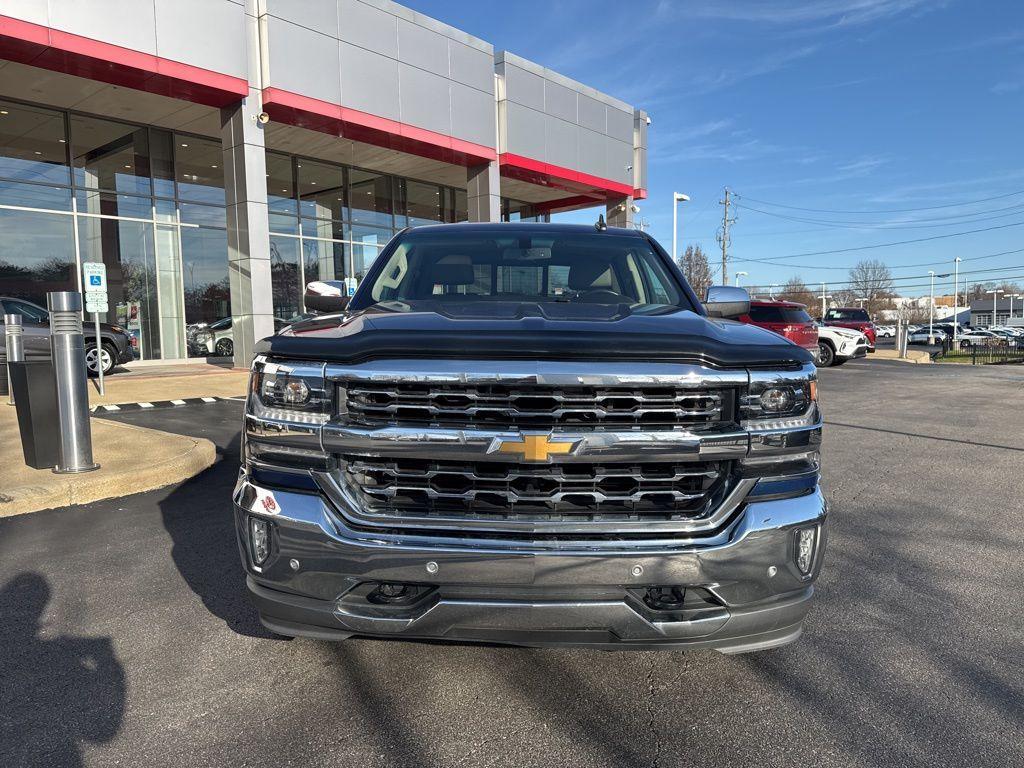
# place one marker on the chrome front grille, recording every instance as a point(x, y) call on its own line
point(395, 491)
point(534, 406)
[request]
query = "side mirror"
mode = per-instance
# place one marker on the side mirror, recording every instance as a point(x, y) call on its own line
point(727, 301)
point(326, 296)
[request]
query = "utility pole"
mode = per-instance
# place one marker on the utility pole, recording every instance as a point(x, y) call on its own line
point(823, 297)
point(956, 299)
point(723, 235)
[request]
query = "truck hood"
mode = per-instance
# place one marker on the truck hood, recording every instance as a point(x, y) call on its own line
point(532, 331)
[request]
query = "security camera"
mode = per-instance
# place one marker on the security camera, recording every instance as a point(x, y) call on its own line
point(634, 208)
point(262, 118)
point(629, 167)
point(648, 119)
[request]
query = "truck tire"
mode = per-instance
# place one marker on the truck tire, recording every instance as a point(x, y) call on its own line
point(107, 355)
point(826, 355)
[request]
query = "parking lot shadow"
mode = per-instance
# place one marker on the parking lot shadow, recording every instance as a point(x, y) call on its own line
point(55, 692)
point(197, 515)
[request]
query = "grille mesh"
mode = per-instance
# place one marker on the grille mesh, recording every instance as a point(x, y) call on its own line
point(495, 405)
point(567, 492)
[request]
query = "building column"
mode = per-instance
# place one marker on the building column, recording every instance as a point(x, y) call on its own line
point(483, 192)
point(619, 212)
point(245, 186)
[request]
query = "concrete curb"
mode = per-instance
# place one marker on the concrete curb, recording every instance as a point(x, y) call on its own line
point(171, 459)
point(913, 356)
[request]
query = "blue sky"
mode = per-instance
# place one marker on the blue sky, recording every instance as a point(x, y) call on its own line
point(862, 107)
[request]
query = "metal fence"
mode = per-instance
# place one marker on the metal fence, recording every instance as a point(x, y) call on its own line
point(999, 353)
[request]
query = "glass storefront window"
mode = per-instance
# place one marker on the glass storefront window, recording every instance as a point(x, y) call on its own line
point(423, 203)
point(204, 215)
point(280, 186)
point(113, 204)
point(35, 196)
point(199, 170)
point(321, 190)
point(33, 144)
point(38, 254)
point(204, 255)
point(370, 197)
point(110, 156)
point(161, 162)
point(284, 276)
point(322, 260)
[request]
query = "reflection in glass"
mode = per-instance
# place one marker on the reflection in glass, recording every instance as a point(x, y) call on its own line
point(110, 155)
point(199, 169)
point(321, 189)
point(38, 254)
point(33, 146)
point(322, 260)
point(204, 215)
point(284, 276)
point(113, 204)
point(35, 196)
point(127, 249)
point(280, 189)
point(367, 242)
point(370, 198)
point(161, 162)
point(205, 274)
point(423, 203)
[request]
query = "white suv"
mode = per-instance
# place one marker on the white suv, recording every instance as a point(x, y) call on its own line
point(837, 345)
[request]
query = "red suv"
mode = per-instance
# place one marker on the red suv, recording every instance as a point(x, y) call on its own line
point(855, 318)
point(786, 318)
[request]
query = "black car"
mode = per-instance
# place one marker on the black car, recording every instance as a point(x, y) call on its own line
point(115, 345)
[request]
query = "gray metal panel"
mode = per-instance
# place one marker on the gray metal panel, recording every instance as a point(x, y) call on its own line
point(369, 82)
point(524, 87)
point(525, 131)
point(422, 48)
point(471, 66)
point(593, 155)
point(620, 125)
point(560, 101)
point(34, 11)
point(431, 23)
point(425, 102)
point(205, 33)
point(368, 27)
point(472, 115)
point(592, 114)
point(619, 156)
point(561, 140)
point(319, 15)
point(302, 61)
point(128, 23)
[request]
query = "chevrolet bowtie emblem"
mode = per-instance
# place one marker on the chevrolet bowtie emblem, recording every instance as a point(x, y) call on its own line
point(535, 447)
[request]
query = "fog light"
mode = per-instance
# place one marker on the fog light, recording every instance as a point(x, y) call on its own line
point(805, 540)
point(776, 399)
point(259, 539)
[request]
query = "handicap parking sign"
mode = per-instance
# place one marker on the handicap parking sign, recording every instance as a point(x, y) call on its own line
point(95, 280)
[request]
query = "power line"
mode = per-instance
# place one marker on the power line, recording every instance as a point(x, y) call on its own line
point(889, 210)
point(969, 218)
point(901, 266)
point(909, 277)
point(810, 290)
point(883, 245)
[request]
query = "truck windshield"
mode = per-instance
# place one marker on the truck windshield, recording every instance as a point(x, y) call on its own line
point(597, 268)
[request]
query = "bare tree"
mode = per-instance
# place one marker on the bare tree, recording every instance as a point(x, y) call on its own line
point(870, 285)
point(697, 270)
point(796, 290)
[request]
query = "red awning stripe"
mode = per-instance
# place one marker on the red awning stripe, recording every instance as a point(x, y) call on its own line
point(550, 175)
point(58, 51)
point(306, 112)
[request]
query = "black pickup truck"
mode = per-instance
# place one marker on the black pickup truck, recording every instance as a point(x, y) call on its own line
point(532, 434)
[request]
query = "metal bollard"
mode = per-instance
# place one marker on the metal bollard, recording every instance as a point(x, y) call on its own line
point(15, 345)
point(67, 346)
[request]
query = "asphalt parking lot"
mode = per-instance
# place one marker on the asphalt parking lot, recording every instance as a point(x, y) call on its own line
point(128, 640)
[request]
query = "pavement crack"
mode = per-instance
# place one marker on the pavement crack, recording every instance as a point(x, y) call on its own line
point(652, 711)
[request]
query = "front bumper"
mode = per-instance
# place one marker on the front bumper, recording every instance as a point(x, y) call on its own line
point(534, 597)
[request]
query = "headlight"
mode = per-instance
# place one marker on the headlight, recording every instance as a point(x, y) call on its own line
point(203, 336)
point(293, 392)
point(777, 399)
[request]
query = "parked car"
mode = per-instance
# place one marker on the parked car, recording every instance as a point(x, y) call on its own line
point(216, 338)
point(855, 318)
point(921, 336)
point(534, 461)
point(115, 345)
point(883, 331)
point(837, 345)
point(786, 318)
point(978, 337)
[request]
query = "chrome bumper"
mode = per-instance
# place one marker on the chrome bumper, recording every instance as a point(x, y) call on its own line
point(575, 596)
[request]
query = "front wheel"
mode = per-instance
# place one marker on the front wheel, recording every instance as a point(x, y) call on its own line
point(97, 359)
point(826, 357)
point(225, 348)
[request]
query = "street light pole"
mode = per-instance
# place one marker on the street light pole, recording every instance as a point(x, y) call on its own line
point(931, 309)
point(823, 301)
point(771, 291)
point(956, 300)
point(994, 294)
point(677, 197)
point(738, 274)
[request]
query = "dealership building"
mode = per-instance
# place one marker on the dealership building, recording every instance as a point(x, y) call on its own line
point(217, 155)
